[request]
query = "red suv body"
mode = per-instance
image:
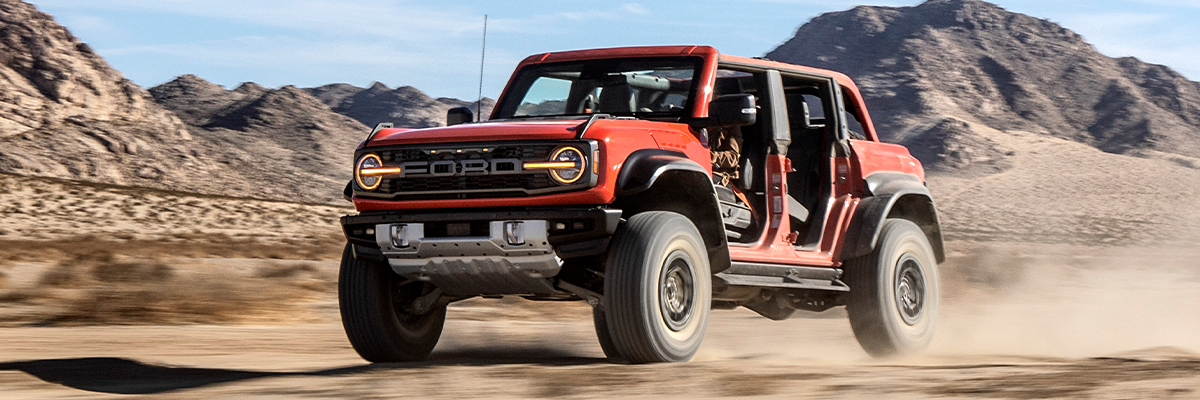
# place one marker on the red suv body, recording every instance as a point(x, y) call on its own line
point(593, 180)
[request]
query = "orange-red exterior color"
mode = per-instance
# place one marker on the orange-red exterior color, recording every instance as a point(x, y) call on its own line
point(618, 139)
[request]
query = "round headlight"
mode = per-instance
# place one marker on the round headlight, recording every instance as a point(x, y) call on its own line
point(568, 175)
point(368, 180)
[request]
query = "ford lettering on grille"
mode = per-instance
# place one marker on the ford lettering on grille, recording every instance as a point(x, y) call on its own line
point(460, 167)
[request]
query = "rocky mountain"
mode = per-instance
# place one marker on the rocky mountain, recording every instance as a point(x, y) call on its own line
point(938, 76)
point(284, 143)
point(404, 106)
point(65, 113)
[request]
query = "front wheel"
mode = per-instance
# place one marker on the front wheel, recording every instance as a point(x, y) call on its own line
point(657, 289)
point(377, 312)
point(894, 292)
point(600, 319)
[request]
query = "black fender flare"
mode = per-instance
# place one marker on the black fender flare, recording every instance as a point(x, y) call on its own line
point(664, 180)
point(643, 168)
point(892, 194)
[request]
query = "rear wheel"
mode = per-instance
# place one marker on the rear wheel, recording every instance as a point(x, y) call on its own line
point(378, 315)
point(657, 289)
point(894, 292)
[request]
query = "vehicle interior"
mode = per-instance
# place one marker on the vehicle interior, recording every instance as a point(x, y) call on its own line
point(744, 203)
point(655, 88)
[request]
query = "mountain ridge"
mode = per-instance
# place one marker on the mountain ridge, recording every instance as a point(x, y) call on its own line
point(404, 106)
point(978, 63)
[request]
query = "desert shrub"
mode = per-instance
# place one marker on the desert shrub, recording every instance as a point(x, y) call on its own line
point(132, 272)
point(304, 276)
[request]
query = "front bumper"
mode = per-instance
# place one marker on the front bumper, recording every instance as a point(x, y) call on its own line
point(485, 252)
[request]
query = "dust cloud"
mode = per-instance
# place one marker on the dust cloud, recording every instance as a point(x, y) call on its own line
point(1068, 300)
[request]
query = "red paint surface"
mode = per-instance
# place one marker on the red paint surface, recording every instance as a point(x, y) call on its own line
point(618, 139)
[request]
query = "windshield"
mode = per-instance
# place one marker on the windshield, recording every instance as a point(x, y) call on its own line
point(643, 87)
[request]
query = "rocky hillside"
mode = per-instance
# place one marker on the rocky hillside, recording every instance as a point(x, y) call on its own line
point(932, 72)
point(404, 106)
point(65, 113)
point(283, 143)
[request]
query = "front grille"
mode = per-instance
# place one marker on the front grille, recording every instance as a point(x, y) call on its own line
point(471, 185)
point(534, 181)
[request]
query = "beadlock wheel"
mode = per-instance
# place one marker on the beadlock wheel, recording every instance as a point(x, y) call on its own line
point(676, 291)
point(657, 289)
point(894, 292)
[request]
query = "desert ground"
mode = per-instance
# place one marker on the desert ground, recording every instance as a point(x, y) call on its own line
point(1072, 322)
point(1069, 291)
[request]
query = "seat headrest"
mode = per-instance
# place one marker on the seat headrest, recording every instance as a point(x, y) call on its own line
point(617, 98)
point(799, 116)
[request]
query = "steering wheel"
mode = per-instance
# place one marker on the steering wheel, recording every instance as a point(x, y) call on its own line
point(587, 105)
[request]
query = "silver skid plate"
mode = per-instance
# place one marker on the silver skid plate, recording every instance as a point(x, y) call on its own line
point(515, 258)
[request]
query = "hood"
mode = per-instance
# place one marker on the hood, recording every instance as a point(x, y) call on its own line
point(479, 132)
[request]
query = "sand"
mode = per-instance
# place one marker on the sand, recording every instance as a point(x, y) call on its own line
point(1072, 274)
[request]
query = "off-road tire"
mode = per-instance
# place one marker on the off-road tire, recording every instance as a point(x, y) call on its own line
point(894, 292)
point(372, 305)
point(657, 288)
point(602, 335)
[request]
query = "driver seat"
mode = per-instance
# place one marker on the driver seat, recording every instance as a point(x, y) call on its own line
point(618, 98)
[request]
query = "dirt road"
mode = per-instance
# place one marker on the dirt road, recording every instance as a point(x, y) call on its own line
point(743, 355)
point(1019, 321)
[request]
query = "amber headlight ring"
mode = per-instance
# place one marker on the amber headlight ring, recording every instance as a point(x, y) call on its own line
point(369, 171)
point(566, 165)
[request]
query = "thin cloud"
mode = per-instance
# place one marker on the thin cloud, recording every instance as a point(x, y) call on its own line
point(635, 8)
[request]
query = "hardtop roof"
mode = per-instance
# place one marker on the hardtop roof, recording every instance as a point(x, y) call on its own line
point(674, 51)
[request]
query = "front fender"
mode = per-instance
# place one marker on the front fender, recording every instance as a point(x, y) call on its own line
point(643, 168)
point(661, 180)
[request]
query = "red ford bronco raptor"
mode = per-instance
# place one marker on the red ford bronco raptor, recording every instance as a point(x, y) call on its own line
point(593, 181)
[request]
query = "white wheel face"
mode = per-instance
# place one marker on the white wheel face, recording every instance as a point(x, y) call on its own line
point(658, 289)
point(677, 296)
point(676, 291)
point(910, 295)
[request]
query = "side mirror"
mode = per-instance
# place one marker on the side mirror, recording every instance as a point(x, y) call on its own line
point(459, 115)
point(733, 110)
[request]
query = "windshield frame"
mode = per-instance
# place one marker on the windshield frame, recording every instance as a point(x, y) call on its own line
point(524, 78)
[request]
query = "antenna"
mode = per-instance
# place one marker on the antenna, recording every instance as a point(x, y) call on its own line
point(482, 55)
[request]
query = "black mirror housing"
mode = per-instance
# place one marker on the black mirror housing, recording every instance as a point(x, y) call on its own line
point(459, 115)
point(732, 110)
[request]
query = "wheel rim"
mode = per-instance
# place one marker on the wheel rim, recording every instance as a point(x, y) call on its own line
point(402, 294)
point(910, 289)
point(677, 291)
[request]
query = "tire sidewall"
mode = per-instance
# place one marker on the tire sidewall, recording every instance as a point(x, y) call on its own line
point(902, 239)
point(633, 304)
point(369, 316)
point(685, 342)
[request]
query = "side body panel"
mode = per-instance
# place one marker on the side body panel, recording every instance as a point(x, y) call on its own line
point(892, 183)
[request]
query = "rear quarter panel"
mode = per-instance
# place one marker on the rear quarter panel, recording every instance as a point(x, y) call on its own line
point(871, 157)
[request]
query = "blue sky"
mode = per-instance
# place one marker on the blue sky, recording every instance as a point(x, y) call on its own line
point(434, 46)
